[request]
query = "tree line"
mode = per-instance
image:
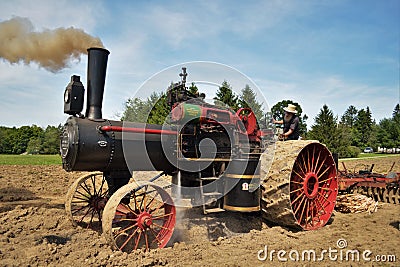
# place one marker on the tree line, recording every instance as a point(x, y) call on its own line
point(155, 109)
point(355, 130)
point(30, 139)
point(346, 136)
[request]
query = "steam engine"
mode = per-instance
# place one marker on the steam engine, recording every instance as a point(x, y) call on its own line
point(199, 141)
point(211, 152)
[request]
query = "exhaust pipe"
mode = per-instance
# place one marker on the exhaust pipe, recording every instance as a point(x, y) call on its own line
point(96, 76)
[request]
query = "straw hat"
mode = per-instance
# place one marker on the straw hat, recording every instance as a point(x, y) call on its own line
point(290, 108)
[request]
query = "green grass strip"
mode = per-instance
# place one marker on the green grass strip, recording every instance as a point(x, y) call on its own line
point(30, 159)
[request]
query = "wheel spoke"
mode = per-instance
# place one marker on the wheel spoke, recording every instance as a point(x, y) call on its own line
point(128, 239)
point(320, 204)
point(134, 197)
point(307, 212)
point(91, 217)
point(324, 172)
point(86, 188)
point(325, 198)
point(298, 175)
point(87, 212)
point(99, 192)
point(123, 230)
point(321, 165)
point(143, 198)
point(330, 178)
point(297, 182)
point(159, 207)
point(316, 162)
point(160, 226)
point(80, 200)
point(151, 201)
point(77, 210)
point(302, 211)
point(326, 189)
point(312, 212)
point(294, 201)
point(138, 239)
point(162, 216)
point(146, 240)
point(94, 184)
point(304, 163)
point(155, 236)
point(298, 189)
point(301, 163)
point(125, 209)
point(298, 207)
point(312, 161)
point(85, 196)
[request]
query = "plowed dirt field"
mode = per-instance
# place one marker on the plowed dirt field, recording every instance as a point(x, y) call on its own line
point(35, 231)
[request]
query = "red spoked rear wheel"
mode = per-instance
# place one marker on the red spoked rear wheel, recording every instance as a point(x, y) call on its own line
point(139, 217)
point(313, 187)
point(301, 187)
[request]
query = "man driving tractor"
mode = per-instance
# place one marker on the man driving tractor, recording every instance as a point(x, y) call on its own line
point(290, 123)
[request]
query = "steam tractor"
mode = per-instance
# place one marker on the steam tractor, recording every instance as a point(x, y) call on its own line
point(217, 158)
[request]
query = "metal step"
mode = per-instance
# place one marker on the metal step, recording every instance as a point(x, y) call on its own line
point(212, 194)
point(209, 178)
point(213, 210)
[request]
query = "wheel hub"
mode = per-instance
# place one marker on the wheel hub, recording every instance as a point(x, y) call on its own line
point(98, 203)
point(144, 220)
point(310, 185)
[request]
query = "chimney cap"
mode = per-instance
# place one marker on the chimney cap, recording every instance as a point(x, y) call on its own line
point(98, 48)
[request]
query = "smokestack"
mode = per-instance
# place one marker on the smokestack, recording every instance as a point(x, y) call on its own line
point(96, 76)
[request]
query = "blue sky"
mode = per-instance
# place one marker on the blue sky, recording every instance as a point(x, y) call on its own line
point(337, 53)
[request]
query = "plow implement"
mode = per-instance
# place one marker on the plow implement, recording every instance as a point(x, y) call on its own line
point(380, 187)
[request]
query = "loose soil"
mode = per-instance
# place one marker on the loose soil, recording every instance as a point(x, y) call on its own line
point(35, 231)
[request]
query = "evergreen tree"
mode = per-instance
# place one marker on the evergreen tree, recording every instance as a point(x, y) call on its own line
point(225, 95)
point(396, 114)
point(193, 89)
point(349, 117)
point(324, 129)
point(388, 134)
point(337, 137)
point(342, 142)
point(363, 127)
point(248, 99)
